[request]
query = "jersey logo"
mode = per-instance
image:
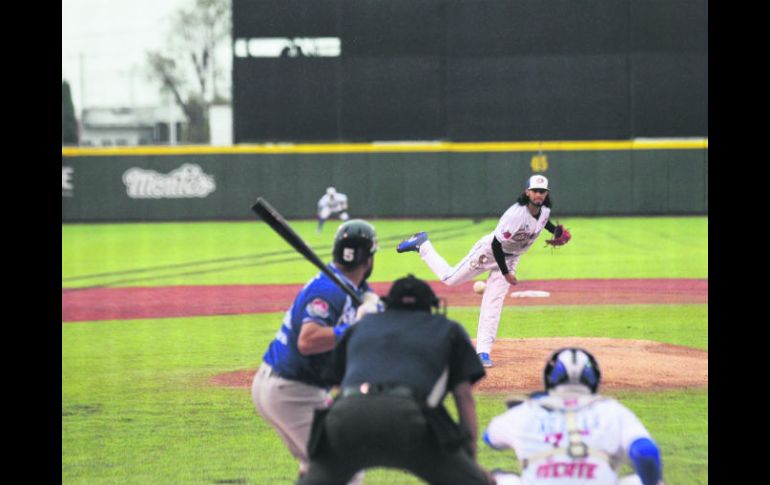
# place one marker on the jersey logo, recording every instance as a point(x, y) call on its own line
point(521, 236)
point(507, 234)
point(318, 308)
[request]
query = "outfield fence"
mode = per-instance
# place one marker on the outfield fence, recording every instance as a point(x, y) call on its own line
point(441, 179)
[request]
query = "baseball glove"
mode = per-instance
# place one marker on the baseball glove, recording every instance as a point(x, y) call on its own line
point(561, 236)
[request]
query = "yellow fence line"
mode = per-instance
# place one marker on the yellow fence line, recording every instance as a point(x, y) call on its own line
point(395, 147)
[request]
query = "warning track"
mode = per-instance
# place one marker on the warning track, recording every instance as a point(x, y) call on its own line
point(93, 304)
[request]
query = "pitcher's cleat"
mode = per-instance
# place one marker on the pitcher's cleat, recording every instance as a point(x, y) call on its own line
point(485, 360)
point(413, 243)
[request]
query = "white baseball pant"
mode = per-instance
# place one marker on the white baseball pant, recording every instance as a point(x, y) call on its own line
point(325, 213)
point(479, 259)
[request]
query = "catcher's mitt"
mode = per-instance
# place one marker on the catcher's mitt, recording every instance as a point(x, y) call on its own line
point(561, 236)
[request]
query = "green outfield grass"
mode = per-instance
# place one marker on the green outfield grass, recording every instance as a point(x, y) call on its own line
point(685, 325)
point(137, 404)
point(164, 254)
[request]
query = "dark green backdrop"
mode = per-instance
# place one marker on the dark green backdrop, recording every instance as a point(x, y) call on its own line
point(440, 184)
point(474, 70)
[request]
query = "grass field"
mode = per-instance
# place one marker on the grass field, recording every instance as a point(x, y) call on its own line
point(137, 406)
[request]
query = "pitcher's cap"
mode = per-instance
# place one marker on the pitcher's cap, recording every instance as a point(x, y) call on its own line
point(537, 182)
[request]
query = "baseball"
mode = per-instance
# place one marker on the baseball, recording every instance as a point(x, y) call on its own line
point(479, 287)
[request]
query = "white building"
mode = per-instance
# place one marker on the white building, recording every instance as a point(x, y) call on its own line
point(131, 126)
point(148, 126)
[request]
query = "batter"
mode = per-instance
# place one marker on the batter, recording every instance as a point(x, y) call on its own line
point(288, 387)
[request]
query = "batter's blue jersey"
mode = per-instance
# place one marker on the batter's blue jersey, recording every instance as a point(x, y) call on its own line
point(320, 301)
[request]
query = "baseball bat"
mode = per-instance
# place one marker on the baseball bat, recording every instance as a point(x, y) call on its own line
point(279, 225)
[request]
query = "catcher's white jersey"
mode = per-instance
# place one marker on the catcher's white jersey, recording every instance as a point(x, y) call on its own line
point(537, 427)
point(332, 205)
point(517, 230)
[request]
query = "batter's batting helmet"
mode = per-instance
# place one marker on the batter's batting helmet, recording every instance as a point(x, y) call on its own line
point(572, 366)
point(354, 242)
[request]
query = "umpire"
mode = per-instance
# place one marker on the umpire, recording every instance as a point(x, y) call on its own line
point(394, 370)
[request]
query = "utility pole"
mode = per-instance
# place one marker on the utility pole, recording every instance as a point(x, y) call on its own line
point(132, 75)
point(82, 82)
point(171, 122)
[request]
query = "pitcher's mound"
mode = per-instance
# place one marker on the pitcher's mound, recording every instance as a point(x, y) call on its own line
point(625, 364)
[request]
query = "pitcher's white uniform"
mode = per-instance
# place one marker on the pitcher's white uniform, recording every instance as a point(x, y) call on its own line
point(517, 230)
point(538, 430)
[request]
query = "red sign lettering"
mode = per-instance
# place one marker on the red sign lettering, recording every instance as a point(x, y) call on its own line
point(558, 469)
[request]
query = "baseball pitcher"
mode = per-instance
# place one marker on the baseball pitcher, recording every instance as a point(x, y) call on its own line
point(497, 253)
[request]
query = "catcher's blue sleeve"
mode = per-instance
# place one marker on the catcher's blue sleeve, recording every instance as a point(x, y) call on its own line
point(645, 456)
point(488, 441)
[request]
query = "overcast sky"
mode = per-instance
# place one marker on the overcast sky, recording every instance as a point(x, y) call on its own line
point(103, 49)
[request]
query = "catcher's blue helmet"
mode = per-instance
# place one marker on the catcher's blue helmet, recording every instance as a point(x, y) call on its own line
point(572, 366)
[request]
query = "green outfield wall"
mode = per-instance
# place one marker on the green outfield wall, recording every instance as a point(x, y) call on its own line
point(387, 180)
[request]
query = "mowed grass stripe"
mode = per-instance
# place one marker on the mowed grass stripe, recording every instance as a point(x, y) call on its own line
point(666, 247)
point(146, 275)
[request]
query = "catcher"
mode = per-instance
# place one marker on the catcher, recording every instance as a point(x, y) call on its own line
point(569, 434)
point(498, 253)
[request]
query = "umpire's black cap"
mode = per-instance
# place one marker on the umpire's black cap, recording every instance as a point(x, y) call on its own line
point(410, 293)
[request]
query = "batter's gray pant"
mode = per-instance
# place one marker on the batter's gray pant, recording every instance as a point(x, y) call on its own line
point(288, 406)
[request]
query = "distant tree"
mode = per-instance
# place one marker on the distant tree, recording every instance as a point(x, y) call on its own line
point(69, 124)
point(190, 67)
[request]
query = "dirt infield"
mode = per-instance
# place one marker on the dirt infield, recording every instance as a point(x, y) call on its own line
point(92, 304)
point(625, 365)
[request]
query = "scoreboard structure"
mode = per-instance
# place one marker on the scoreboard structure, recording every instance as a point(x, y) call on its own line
point(469, 70)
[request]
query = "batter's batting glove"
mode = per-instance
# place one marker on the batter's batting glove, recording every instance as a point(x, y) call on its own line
point(371, 304)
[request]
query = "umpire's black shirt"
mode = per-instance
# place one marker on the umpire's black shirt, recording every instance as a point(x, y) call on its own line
point(427, 352)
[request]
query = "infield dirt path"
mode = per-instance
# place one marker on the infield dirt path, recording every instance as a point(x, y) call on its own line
point(184, 301)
